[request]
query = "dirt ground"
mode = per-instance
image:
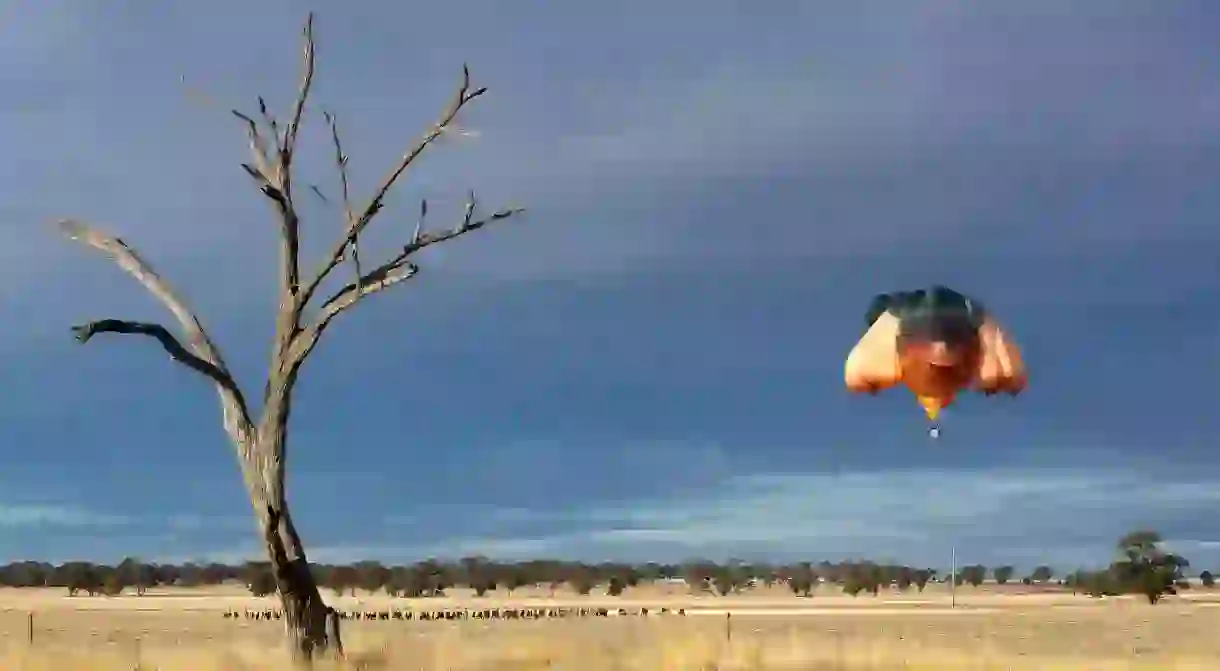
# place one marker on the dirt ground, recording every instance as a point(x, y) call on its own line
point(764, 629)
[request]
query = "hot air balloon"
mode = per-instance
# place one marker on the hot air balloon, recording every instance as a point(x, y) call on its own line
point(937, 342)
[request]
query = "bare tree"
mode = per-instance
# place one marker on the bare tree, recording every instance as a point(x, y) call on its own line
point(300, 320)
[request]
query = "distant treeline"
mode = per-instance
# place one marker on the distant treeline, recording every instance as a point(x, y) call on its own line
point(432, 577)
point(1143, 568)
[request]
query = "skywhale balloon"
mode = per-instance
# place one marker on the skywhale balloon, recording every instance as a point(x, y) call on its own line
point(938, 343)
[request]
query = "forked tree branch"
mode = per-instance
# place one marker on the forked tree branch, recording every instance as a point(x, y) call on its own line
point(199, 348)
point(260, 167)
point(272, 170)
point(396, 270)
point(383, 277)
point(270, 166)
point(357, 225)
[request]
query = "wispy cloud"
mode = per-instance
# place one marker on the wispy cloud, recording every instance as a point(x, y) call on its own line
point(1024, 516)
point(1188, 546)
point(192, 522)
point(33, 516)
point(1066, 517)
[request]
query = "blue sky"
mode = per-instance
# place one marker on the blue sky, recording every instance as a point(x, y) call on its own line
point(648, 365)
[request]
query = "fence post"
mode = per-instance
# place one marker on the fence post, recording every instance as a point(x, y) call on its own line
point(29, 627)
point(728, 627)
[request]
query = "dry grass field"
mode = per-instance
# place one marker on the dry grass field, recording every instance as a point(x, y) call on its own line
point(184, 630)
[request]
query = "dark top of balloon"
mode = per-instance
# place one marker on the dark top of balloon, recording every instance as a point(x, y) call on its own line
point(936, 303)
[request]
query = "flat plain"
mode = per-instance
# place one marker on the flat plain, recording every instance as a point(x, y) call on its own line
point(765, 628)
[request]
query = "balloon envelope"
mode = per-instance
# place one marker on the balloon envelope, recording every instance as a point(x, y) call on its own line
point(936, 342)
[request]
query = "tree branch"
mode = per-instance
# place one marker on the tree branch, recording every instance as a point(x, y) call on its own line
point(199, 347)
point(289, 143)
point(273, 173)
point(394, 271)
point(341, 166)
point(423, 239)
point(383, 277)
point(463, 97)
point(259, 168)
point(177, 352)
point(273, 124)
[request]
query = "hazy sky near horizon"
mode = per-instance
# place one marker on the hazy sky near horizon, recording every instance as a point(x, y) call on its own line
point(649, 364)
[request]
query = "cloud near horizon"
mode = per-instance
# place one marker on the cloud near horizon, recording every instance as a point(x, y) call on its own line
point(1065, 517)
point(1024, 516)
point(50, 516)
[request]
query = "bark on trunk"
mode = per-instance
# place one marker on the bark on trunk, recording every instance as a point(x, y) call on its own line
point(312, 627)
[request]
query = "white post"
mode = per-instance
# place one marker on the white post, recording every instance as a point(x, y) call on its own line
point(953, 578)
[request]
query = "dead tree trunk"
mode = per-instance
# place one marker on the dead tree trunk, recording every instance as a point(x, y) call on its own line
point(310, 624)
point(312, 627)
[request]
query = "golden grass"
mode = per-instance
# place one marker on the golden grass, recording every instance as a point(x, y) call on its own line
point(181, 630)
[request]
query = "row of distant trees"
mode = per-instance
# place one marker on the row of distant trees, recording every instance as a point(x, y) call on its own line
point(433, 577)
point(1143, 566)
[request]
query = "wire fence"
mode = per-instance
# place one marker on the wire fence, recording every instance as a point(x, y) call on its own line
point(1124, 633)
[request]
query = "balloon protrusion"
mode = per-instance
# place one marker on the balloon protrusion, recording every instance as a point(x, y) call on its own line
point(931, 406)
